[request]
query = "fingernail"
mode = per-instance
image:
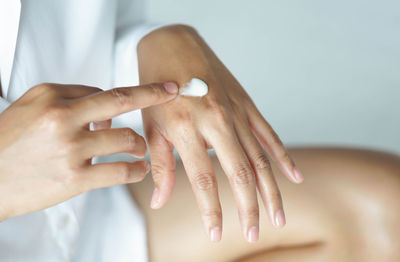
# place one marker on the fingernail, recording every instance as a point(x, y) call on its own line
point(252, 234)
point(215, 234)
point(147, 167)
point(155, 199)
point(280, 220)
point(297, 175)
point(171, 87)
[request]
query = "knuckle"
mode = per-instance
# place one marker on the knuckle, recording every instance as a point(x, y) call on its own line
point(222, 127)
point(261, 162)
point(182, 126)
point(121, 96)
point(68, 149)
point(157, 172)
point(238, 106)
point(156, 92)
point(39, 90)
point(182, 118)
point(214, 107)
point(124, 171)
point(284, 157)
point(70, 178)
point(43, 88)
point(252, 213)
point(55, 115)
point(221, 120)
point(276, 196)
point(243, 175)
point(205, 181)
point(275, 140)
point(71, 146)
point(212, 214)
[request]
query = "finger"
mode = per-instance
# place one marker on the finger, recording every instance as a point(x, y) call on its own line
point(75, 91)
point(265, 179)
point(111, 141)
point(201, 175)
point(274, 146)
point(236, 166)
point(162, 166)
point(111, 174)
point(108, 104)
point(106, 124)
point(59, 90)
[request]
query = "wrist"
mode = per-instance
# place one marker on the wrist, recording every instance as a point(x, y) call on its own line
point(166, 33)
point(175, 53)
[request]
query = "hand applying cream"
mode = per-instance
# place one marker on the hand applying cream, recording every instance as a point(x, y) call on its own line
point(195, 87)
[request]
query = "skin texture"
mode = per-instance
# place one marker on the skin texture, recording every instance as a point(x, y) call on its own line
point(46, 144)
point(225, 119)
point(346, 210)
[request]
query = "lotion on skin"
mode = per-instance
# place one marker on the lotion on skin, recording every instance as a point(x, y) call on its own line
point(196, 88)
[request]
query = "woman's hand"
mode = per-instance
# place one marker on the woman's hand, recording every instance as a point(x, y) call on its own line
point(225, 119)
point(46, 145)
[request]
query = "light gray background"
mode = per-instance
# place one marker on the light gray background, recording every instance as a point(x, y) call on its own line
point(322, 72)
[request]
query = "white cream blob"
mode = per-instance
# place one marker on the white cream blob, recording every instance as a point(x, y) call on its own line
point(195, 87)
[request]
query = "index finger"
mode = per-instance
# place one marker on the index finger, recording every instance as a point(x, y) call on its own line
point(105, 105)
point(75, 91)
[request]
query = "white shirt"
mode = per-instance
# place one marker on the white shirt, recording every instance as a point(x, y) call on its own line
point(90, 42)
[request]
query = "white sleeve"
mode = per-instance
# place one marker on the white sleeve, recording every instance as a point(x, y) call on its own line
point(126, 71)
point(3, 104)
point(131, 27)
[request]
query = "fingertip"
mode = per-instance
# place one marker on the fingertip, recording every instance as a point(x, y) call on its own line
point(139, 149)
point(279, 219)
point(139, 171)
point(147, 167)
point(253, 234)
point(215, 234)
point(160, 196)
point(141, 154)
point(297, 175)
point(171, 87)
point(155, 199)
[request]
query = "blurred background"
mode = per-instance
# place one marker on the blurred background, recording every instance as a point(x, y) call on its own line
point(321, 72)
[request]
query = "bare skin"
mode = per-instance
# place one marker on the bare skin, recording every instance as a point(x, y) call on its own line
point(225, 120)
point(46, 145)
point(346, 210)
